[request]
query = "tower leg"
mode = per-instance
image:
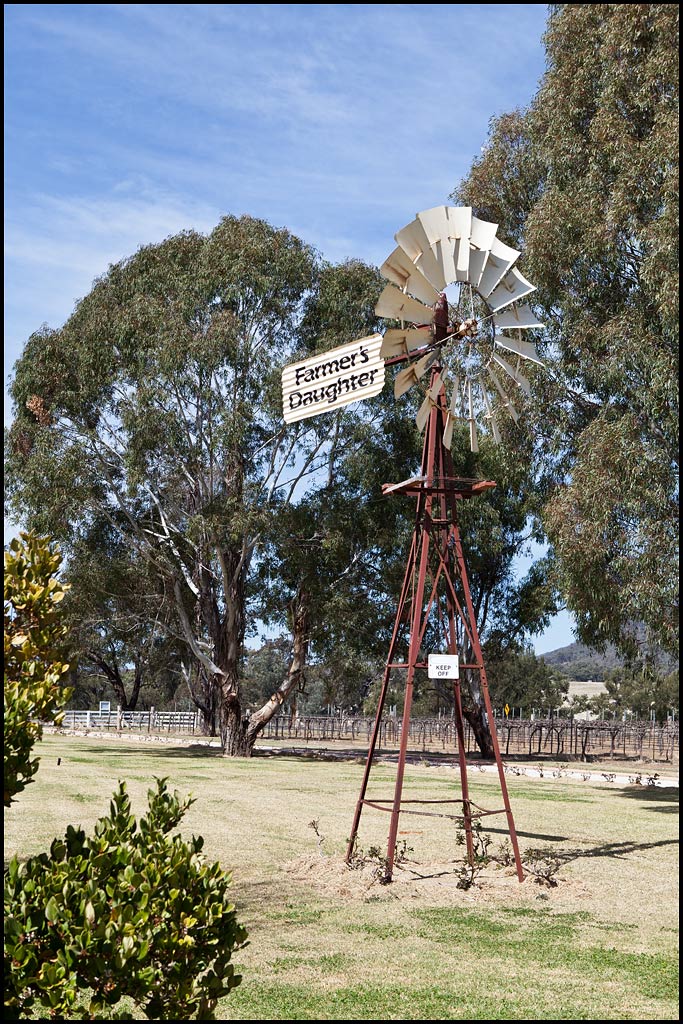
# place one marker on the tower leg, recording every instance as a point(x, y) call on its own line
point(405, 590)
point(462, 761)
point(479, 660)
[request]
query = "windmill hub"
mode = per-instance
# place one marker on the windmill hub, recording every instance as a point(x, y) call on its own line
point(466, 328)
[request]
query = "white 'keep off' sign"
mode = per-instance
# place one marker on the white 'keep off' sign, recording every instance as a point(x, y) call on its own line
point(443, 666)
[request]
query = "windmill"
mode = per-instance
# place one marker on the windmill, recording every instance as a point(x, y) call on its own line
point(458, 296)
point(468, 355)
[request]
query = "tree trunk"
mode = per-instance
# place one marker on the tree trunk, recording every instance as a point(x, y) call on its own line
point(114, 676)
point(252, 726)
point(233, 728)
point(203, 692)
point(476, 712)
point(482, 734)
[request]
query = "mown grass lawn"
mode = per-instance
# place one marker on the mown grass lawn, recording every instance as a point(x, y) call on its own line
point(330, 944)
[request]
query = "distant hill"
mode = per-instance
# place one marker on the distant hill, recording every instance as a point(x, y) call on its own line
point(576, 661)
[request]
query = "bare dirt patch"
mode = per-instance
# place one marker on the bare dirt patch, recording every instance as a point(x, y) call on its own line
point(427, 883)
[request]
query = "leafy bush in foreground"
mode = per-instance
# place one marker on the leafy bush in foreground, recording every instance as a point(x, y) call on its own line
point(129, 911)
point(34, 659)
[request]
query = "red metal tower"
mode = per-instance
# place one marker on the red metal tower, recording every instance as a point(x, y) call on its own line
point(436, 585)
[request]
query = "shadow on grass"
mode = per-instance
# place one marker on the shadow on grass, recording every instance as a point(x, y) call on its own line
point(656, 798)
point(193, 750)
point(615, 850)
point(529, 835)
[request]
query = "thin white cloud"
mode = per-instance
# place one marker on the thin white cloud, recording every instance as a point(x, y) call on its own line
point(60, 245)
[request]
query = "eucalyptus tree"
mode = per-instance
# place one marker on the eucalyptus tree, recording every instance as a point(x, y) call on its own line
point(156, 409)
point(647, 692)
point(586, 180)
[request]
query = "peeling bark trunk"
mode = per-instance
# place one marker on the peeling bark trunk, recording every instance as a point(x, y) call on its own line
point(241, 732)
point(233, 728)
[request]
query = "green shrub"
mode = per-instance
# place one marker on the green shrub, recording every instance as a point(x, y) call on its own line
point(130, 911)
point(34, 653)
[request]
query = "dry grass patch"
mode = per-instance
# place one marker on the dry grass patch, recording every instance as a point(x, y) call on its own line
point(329, 943)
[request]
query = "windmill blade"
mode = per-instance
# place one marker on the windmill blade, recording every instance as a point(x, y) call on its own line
point(452, 413)
point(491, 415)
point(393, 346)
point(399, 341)
point(394, 305)
point(513, 372)
point(429, 403)
point(482, 237)
point(525, 349)
point(513, 286)
point(482, 234)
point(448, 431)
point(478, 260)
point(474, 446)
point(423, 414)
point(517, 317)
point(435, 224)
point(434, 390)
point(411, 374)
point(453, 407)
point(402, 272)
point(507, 403)
point(437, 228)
point(501, 258)
point(460, 218)
point(414, 242)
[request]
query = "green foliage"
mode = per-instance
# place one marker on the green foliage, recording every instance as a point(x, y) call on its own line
point(156, 410)
point(150, 426)
point(131, 911)
point(643, 690)
point(586, 182)
point(520, 679)
point(263, 670)
point(34, 654)
point(120, 627)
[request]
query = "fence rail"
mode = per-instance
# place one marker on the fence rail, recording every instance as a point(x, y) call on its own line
point(554, 736)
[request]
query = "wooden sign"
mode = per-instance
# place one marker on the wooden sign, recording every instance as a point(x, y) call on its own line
point(324, 382)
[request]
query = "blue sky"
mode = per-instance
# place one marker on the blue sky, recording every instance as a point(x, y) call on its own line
point(125, 123)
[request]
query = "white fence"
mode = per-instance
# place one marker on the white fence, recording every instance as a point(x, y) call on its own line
point(141, 721)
